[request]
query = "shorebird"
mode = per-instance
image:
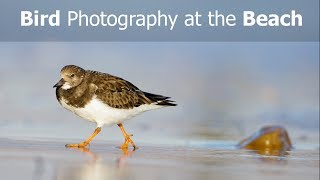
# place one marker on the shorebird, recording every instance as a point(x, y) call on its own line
point(104, 99)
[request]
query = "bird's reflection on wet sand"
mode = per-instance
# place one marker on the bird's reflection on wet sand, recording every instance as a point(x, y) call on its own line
point(96, 166)
point(121, 161)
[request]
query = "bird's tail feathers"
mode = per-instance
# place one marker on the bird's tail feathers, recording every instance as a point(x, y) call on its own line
point(159, 99)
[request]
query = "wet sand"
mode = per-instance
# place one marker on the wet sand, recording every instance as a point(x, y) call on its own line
point(34, 159)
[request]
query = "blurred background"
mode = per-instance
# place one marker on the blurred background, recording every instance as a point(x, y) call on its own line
point(224, 91)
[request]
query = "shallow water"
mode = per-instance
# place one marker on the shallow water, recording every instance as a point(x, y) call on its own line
point(34, 159)
point(223, 90)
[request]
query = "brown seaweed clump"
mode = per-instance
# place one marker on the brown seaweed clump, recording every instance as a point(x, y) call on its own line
point(269, 140)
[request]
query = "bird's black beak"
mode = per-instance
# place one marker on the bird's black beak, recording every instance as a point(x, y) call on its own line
point(60, 83)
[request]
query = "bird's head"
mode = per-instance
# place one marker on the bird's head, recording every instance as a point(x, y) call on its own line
point(71, 76)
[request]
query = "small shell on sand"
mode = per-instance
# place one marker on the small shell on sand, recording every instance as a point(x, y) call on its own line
point(269, 140)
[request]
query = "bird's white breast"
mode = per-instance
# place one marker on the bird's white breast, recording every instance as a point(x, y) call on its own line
point(102, 114)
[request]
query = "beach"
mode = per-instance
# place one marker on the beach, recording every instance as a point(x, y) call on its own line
point(34, 159)
point(225, 93)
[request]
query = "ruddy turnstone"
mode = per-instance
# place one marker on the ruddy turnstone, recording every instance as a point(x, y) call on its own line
point(104, 99)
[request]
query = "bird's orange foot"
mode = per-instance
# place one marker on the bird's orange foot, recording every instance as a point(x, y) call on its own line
point(128, 141)
point(80, 145)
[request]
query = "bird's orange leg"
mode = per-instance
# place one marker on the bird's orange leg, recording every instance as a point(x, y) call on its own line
point(86, 142)
point(127, 139)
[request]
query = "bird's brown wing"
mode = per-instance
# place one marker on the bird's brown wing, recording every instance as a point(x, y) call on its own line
point(117, 92)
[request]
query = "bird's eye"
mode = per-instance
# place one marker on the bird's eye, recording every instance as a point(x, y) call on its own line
point(72, 75)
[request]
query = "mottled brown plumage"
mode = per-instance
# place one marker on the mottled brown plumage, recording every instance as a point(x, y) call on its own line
point(113, 91)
